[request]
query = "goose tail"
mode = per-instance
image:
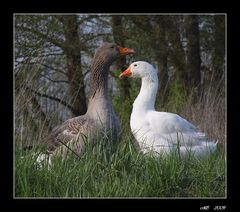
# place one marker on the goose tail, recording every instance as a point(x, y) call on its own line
point(43, 159)
point(205, 149)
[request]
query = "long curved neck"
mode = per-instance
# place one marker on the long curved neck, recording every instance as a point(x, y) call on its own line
point(99, 103)
point(99, 78)
point(147, 95)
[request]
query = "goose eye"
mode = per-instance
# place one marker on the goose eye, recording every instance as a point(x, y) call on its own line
point(135, 65)
point(112, 47)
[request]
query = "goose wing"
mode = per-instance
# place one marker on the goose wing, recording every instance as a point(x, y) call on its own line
point(68, 131)
point(167, 123)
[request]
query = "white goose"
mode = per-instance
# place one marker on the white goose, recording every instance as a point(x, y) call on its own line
point(161, 132)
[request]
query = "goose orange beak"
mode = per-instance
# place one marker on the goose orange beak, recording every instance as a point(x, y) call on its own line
point(126, 73)
point(125, 51)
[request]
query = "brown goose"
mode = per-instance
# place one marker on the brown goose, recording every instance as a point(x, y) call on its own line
point(99, 118)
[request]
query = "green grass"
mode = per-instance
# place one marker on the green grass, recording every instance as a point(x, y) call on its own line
point(119, 171)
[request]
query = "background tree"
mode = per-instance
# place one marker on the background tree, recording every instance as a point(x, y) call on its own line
point(193, 54)
point(161, 52)
point(119, 38)
point(72, 50)
point(52, 55)
point(219, 46)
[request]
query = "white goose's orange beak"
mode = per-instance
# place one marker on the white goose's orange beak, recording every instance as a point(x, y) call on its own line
point(126, 73)
point(125, 51)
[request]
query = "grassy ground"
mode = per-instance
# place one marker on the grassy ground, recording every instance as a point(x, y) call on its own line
point(119, 171)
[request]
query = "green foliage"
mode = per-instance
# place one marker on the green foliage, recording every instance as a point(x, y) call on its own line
point(123, 106)
point(176, 98)
point(116, 73)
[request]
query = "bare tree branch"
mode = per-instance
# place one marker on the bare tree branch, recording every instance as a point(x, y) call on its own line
point(43, 36)
point(49, 67)
point(90, 36)
point(81, 20)
point(51, 54)
point(52, 68)
point(50, 97)
point(55, 81)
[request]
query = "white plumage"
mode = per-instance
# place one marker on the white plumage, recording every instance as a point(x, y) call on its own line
point(161, 132)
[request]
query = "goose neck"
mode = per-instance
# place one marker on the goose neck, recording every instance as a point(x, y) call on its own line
point(147, 95)
point(99, 79)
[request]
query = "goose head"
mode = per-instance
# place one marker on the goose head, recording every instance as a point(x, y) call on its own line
point(111, 51)
point(140, 69)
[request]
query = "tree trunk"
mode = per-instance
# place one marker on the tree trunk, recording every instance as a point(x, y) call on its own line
point(74, 72)
point(176, 52)
point(163, 79)
point(193, 54)
point(161, 51)
point(219, 46)
point(118, 37)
